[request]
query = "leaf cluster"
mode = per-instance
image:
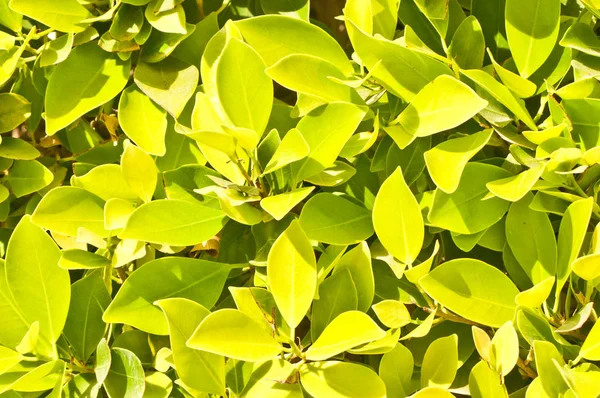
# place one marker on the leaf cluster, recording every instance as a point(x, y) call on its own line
point(228, 199)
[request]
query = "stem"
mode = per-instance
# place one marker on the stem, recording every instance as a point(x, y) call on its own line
point(526, 369)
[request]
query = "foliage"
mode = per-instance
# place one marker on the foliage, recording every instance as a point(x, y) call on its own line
point(256, 199)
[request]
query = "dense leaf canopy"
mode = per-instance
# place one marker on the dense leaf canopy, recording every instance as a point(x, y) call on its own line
point(287, 199)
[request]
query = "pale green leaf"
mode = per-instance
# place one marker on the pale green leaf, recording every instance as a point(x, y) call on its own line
point(501, 94)
point(28, 176)
point(292, 273)
point(532, 29)
point(139, 171)
point(234, 334)
point(275, 37)
point(14, 110)
point(536, 295)
point(197, 280)
point(84, 327)
point(329, 218)
point(474, 290)
point(245, 93)
point(505, 348)
point(396, 369)
point(440, 362)
point(346, 331)
point(400, 228)
point(530, 237)
point(392, 313)
point(335, 379)
point(293, 147)
point(446, 161)
point(200, 370)
point(280, 205)
point(170, 83)
point(464, 211)
point(313, 76)
point(326, 130)
point(173, 222)
point(126, 376)
point(88, 78)
point(443, 104)
point(170, 21)
point(64, 16)
point(358, 262)
point(143, 121)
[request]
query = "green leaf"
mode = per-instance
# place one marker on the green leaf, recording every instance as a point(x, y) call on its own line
point(173, 222)
point(170, 83)
point(468, 45)
point(463, 211)
point(126, 376)
point(392, 313)
point(516, 187)
point(102, 361)
point(143, 121)
point(105, 181)
point(8, 359)
point(319, 78)
point(517, 84)
point(530, 237)
point(88, 78)
point(326, 130)
point(505, 349)
point(337, 294)
point(198, 280)
point(341, 380)
point(582, 38)
point(276, 36)
point(547, 357)
point(485, 383)
point(158, 385)
point(443, 104)
point(28, 176)
point(582, 115)
point(417, 70)
point(14, 110)
point(396, 369)
point(440, 362)
point(127, 23)
point(590, 349)
point(532, 30)
point(501, 94)
point(245, 94)
point(292, 274)
point(234, 334)
point(446, 161)
point(280, 205)
point(14, 148)
point(373, 16)
point(139, 171)
point(292, 147)
point(273, 379)
point(535, 296)
point(358, 262)
point(200, 370)
point(57, 50)
point(170, 21)
point(571, 234)
point(65, 16)
point(346, 331)
point(38, 288)
point(84, 327)
point(329, 218)
point(399, 228)
point(474, 290)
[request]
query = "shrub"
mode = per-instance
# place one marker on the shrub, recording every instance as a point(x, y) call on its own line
point(231, 199)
